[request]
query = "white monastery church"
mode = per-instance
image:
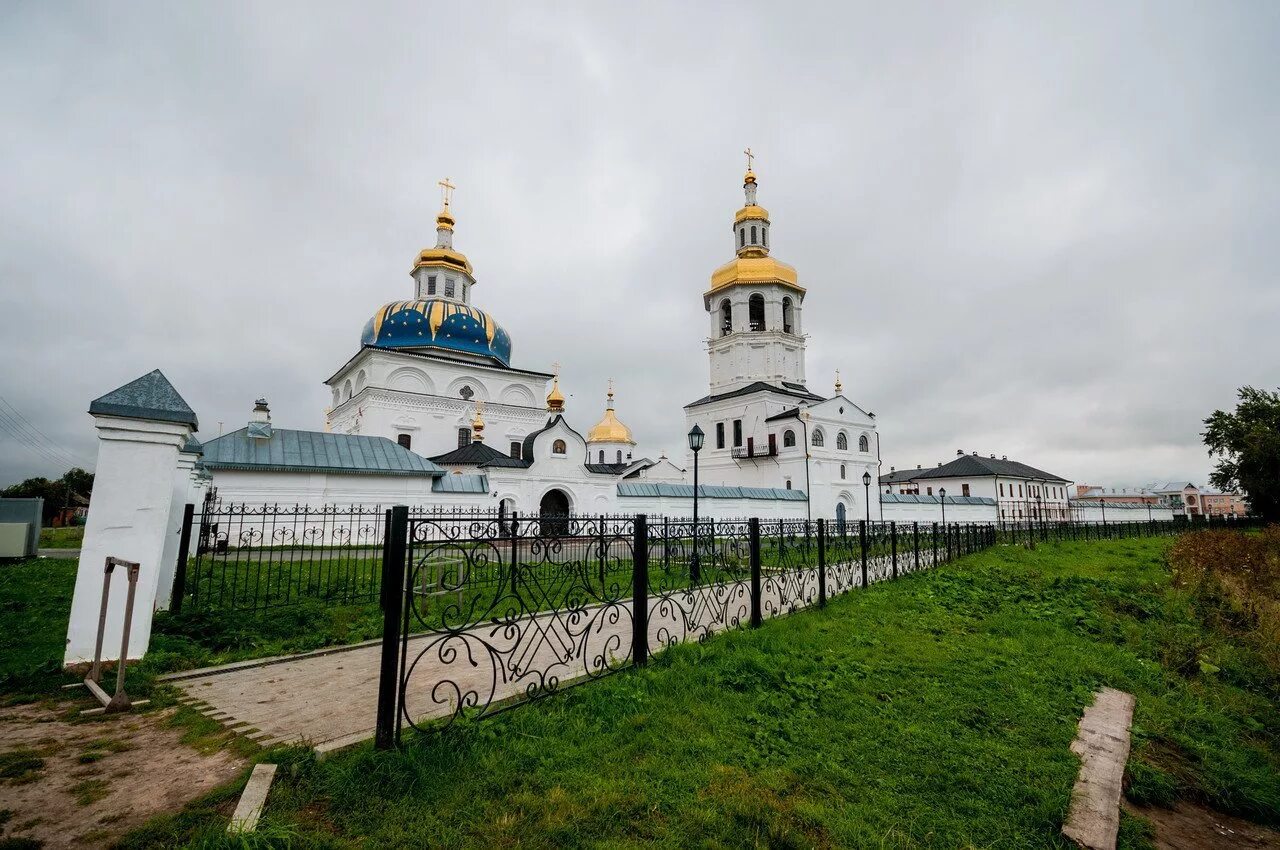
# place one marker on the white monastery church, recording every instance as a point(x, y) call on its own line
point(434, 377)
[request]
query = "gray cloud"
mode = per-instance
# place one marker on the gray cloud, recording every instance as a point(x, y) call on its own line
point(1041, 231)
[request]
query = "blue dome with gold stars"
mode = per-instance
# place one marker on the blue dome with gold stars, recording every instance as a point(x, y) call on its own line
point(435, 323)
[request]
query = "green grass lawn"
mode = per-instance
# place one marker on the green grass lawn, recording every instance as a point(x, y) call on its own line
point(68, 537)
point(35, 599)
point(935, 711)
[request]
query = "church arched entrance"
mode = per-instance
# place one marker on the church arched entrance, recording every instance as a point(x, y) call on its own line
point(840, 517)
point(553, 510)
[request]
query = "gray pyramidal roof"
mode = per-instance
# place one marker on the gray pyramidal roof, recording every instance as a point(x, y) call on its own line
point(149, 397)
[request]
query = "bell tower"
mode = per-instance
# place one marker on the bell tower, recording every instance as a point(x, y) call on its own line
point(442, 272)
point(754, 305)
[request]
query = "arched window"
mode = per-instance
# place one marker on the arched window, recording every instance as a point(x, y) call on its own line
point(755, 312)
point(864, 445)
point(742, 237)
point(788, 483)
point(842, 442)
point(559, 448)
point(753, 234)
point(619, 456)
point(787, 323)
point(602, 456)
point(842, 470)
point(405, 440)
point(764, 236)
point(818, 439)
point(726, 317)
point(788, 439)
point(346, 391)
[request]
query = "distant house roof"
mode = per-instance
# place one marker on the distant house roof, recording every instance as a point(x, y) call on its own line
point(479, 454)
point(706, 491)
point(314, 451)
point(148, 397)
point(1171, 486)
point(976, 466)
point(460, 484)
point(789, 389)
point(894, 476)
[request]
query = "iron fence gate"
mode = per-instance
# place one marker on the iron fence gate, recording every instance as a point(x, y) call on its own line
point(484, 614)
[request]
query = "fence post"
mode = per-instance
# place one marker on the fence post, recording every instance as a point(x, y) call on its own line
point(934, 538)
point(386, 541)
point(184, 548)
point(862, 533)
point(753, 526)
point(822, 562)
point(393, 578)
point(601, 551)
point(640, 592)
point(915, 542)
point(946, 533)
point(515, 558)
point(893, 538)
point(666, 544)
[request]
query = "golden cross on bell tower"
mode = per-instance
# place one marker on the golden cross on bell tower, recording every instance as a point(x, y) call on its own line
point(446, 189)
point(555, 368)
point(750, 158)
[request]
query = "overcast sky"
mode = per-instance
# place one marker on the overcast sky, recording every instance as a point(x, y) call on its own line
point(1043, 230)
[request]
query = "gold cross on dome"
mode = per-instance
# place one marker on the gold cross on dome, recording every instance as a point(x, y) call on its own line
point(446, 189)
point(555, 368)
point(750, 158)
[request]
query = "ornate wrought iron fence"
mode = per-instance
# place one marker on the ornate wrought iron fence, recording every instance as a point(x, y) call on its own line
point(486, 614)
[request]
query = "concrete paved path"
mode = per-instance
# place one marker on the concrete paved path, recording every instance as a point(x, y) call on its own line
point(328, 698)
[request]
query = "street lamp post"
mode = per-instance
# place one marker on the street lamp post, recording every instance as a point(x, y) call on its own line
point(866, 485)
point(1103, 502)
point(696, 438)
point(942, 493)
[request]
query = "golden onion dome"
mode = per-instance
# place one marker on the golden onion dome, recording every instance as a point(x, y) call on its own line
point(749, 177)
point(555, 398)
point(444, 256)
point(753, 212)
point(755, 270)
point(610, 430)
point(445, 219)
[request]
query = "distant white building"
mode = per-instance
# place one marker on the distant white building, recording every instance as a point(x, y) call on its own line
point(1020, 491)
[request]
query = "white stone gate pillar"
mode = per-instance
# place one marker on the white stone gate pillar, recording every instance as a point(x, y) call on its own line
point(182, 494)
point(141, 426)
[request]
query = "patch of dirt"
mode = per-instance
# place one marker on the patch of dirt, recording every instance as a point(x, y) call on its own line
point(1188, 826)
point(85, 782)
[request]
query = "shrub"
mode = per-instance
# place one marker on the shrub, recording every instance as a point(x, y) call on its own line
point(1234, 578)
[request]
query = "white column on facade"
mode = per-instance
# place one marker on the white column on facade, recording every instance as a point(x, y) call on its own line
point(128, 518)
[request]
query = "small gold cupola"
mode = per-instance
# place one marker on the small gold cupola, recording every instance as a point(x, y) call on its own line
point(752, 265)
point(610, 429)
point(839, 386)
point(442, 256)
point(477, 423)
point(555, 398)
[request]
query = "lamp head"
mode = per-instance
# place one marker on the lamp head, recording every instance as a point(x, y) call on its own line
point(866, 479)
point(696, 438)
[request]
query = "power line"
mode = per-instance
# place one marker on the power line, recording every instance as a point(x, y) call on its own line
point(21, 428)
point(27, 443)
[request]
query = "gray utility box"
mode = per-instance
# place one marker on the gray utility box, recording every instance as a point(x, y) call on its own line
point(20, 515)
point(13, 539)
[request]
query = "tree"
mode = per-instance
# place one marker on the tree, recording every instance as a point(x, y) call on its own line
point(1247, 443)
point(56, 494)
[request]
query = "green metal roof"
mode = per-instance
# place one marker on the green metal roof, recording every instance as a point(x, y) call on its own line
point(913, 499)
point(287, 450)
point(149, 397)
point(707, 491)
point(460, 484)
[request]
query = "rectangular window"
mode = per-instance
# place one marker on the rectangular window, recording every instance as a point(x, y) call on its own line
point(737, 432)
point(964, 489)
point(928, 491)
point(515, 449)
point(1001, 489)
point(1019, 491)
point(719, 435)
point(405, 440)
point(431, 284)
point(464, 437)
point(448, 287)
